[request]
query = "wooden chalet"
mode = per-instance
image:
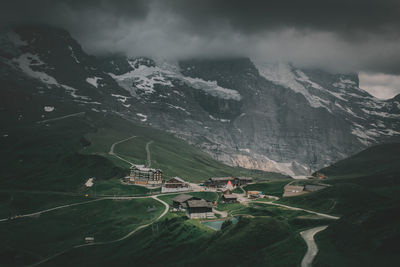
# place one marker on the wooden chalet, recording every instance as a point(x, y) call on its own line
point(229, 198)
point(178, 201)
point(254, 194)
point(196, 209)
point(175, 184)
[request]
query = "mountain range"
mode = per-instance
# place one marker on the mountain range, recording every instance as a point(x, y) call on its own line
point(260, 115)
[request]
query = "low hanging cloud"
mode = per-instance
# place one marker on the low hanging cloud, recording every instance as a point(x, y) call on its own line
point(380, 85)
point(341, 35)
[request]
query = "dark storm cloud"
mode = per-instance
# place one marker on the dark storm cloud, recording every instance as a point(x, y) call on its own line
point(343, 16)
point(54, 11)
point(358, 35)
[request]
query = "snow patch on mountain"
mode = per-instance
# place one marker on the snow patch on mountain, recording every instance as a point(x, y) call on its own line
point(14, 38)
point(48, 108)
point(143, 117)
point(73, 54)
point(221, 120)
point(26, 61)
point(284, 75)
point(73, 92)
point(93, 81)
point(212, 88)
point(178, 108)
point(144, 78)
point(302, 77)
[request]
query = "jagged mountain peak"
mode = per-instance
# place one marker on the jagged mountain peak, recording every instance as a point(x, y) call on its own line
point(271, 116)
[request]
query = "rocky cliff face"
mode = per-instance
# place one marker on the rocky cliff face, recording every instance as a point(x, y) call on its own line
point(260, 115)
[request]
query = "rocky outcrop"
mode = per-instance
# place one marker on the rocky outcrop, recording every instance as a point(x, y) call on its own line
point(274, 117)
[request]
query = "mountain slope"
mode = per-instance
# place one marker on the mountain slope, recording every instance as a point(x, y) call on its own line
point(377, 160)
point(273, 117)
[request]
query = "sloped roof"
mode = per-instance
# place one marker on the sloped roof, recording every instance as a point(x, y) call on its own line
point(229, 196)
point(199, 203)
point(144, 169)
point(176, 179)
point(299, 188)
point(245, 178)
point(221, 178)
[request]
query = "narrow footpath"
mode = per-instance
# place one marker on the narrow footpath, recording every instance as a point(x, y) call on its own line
point(148, 153)
point(111, 152)
point(112, 241)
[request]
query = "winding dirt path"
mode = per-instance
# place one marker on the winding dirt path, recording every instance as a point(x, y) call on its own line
point(51, 209)
point(111, 152)
point(148, 153)
point(294, 208)
point(223, 214)
point(312, 248)
point(63, 117)
point(112, 241)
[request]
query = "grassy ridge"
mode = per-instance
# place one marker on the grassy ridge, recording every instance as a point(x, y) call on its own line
point(28, 240)
point(182, 242)
point(365, 191)
point(174, 156)
point(17, 203)
point(377, 160)
point(62, 155)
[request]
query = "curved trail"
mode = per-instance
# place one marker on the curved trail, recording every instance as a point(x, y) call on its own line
point(63, 117)
point(312, 250)
point(148, 153)
point(307, 235)
point(294, 208)
point(223, 214)
point(51, 209)
point(112, 241)
point(111, 152)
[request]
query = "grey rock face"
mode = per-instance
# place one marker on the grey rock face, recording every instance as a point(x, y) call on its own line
point(267, 116)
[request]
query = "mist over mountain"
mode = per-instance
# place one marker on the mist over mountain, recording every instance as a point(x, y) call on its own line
point(245, 112)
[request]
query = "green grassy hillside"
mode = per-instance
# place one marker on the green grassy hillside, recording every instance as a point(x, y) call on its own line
point(62, 155)
point(365, 192)
point(174, 156)
point(29, 240)
point(181, 242)
point(377, 160)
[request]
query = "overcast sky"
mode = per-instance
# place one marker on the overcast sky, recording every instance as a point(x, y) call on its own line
point(341, 36)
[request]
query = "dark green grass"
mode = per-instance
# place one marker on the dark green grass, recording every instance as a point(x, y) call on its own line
point(274, 188)
point(41, 157)
point(251, 242)
point(174, 156)
point(365, 192)
point(28, 240)
point(364, 238)
point(377, 160)
point(18, 203)
point(114, 187)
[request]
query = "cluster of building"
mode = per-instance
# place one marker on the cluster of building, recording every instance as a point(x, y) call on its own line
point(141, 175)
point(221, 182)
point(227, 196)
point(296, 190)
point(196, 208)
